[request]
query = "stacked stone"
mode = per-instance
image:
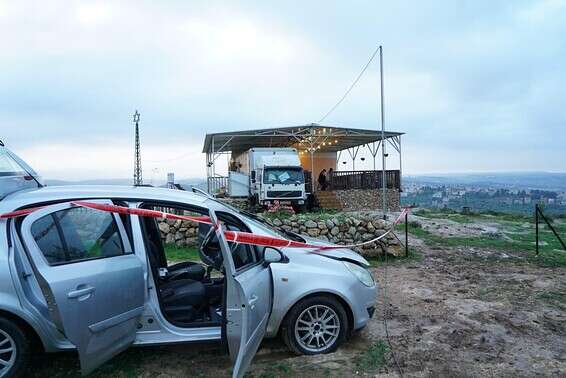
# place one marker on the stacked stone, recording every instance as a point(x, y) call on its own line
point(178, 232)
point(344, 231)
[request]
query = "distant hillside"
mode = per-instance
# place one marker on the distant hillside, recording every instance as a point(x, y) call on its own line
point(520, 180)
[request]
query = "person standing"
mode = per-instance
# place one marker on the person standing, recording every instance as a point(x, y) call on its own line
point(322, 179)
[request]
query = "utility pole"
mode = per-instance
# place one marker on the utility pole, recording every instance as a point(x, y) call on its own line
point(383, 154)
point(137, 159)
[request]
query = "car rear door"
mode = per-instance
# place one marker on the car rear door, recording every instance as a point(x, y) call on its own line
point(92, 282)
point(248, 306)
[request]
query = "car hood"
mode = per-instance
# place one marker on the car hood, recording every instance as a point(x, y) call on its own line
point(339, 253)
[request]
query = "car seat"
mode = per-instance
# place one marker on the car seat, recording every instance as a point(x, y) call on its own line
point(182, 300)
point(183, 270)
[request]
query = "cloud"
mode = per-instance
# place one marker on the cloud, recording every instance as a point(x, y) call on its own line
point(465, 81)
point(113, 159)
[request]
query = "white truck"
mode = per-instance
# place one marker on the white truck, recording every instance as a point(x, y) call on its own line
point(271, 174)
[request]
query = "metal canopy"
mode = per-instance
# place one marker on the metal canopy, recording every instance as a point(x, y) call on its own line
point(326, 138)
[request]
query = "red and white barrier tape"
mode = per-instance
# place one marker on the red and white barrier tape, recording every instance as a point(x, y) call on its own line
point(232, 236)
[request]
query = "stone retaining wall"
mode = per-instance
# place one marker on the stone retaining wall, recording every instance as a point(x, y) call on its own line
point(367, 199)
point(345, 229)
point(341, 229)
point(178, 232)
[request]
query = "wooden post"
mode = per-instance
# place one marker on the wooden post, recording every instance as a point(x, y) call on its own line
point(536, 228)
point(407, 234)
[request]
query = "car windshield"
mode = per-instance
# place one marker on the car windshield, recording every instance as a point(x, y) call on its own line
point(8, 166)
point(15, 175)
point(262, 224)
point(283, 176)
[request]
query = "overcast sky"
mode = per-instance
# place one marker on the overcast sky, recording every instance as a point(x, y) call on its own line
point(476, 85)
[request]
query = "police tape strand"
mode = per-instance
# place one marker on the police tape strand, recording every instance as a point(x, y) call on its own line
point(231, 236)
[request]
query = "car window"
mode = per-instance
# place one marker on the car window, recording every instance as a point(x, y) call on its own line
point(8, 167)
point(181, 239)
point(242, 254)
point(77, 234)
point(47, 238)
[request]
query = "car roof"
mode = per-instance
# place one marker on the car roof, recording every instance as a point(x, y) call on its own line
point(69, 192)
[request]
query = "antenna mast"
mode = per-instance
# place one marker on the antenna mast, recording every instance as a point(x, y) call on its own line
point(137, 159)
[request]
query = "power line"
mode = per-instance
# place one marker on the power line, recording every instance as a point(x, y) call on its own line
point(351, 86)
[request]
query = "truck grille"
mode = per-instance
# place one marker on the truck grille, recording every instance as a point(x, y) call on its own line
point(284, 194)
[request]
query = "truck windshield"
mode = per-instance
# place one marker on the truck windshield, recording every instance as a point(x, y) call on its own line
point(283, 176)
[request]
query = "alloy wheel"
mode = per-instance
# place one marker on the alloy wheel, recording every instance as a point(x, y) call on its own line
point(7, 352)
point(317, 328)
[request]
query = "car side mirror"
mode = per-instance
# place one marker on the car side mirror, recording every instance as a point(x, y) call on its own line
point(253, 176)
point(272, 255)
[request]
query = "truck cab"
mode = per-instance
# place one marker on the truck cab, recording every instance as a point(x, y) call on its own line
point(276, 175)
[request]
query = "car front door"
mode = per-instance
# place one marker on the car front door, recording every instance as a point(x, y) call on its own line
point(92, 282)
point(248, 305)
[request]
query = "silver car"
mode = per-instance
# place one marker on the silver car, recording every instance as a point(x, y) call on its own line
point(99, 282)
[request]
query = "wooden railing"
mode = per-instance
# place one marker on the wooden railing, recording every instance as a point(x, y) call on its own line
point(217, 184)
point(338, 180)
point(344, 180)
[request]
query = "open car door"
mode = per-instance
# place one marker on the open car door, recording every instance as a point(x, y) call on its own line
point(248, 305)
point(92, 282)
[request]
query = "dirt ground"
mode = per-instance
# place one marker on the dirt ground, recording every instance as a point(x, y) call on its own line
point(452, 313)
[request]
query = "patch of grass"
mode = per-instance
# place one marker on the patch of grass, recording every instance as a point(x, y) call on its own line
point(487, 216)
point(555, 298)
point(413, 256)
point(175, 254)
point(66, 365)
point(280, 214)
point(374, 358)
point(486, 293)
point(520, 244)
point(277, 370)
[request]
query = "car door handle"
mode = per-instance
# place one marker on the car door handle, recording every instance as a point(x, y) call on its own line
point(252, 301)
point(80, 291)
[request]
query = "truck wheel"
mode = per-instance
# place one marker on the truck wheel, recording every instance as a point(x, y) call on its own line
point(315, 325)
point(14, 350)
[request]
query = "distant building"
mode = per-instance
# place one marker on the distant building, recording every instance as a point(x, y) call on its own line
point(171, 182)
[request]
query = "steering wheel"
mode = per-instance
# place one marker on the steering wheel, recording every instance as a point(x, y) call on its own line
point(209, 250)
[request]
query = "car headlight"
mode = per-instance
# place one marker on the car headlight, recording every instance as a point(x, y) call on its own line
point(361, 273)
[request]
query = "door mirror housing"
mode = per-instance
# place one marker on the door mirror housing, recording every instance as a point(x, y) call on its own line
point(273, 255)
point(253, 177)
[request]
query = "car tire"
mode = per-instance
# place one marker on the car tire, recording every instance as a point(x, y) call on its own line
point(18, 359)
point(329, 334)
